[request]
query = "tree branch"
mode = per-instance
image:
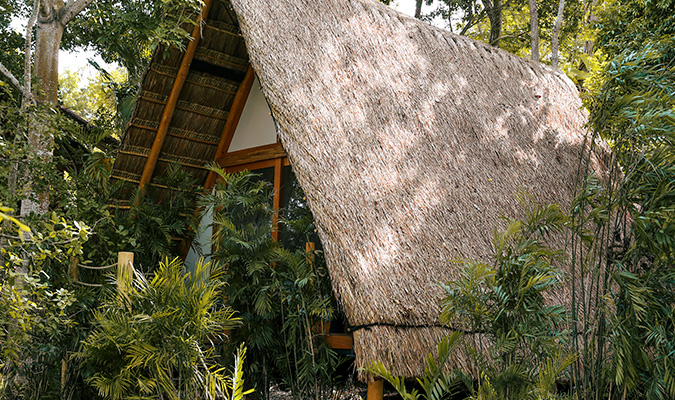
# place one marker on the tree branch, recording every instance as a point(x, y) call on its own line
point(516, 35)
point(71, 10)
point(12, 78)
point(473, 21)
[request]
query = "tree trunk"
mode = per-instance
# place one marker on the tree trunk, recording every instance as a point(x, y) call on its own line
point(40, 136)
point(534, 29)
point(590, 19)
point(47, 45)
point(555, 35)
point(494, 12)
point(418, 9)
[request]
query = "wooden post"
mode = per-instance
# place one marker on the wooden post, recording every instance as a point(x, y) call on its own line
point(375, 389)
point(310, 248)
point(276, 203)
point(125, 272)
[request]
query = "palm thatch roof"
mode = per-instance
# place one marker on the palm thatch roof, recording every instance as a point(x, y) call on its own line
point(409, 141)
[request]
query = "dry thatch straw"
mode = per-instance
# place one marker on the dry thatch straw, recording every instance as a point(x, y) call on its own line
point(410, 143)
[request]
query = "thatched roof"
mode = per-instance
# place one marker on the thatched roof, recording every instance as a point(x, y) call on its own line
point(409, 141)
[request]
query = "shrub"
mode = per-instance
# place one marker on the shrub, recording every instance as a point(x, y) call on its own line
point(156, 341)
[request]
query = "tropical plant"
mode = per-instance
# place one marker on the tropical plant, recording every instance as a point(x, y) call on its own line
point(307, 364)
point(625, 222)
point(35, 316)
point(156, 340)
point(518, 341)
point(437, 383)
point(284, 295)
point(33, 320)
point(242, 240)
point(506, 301)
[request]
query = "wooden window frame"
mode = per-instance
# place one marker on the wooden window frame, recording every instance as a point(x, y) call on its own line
point(267, 156)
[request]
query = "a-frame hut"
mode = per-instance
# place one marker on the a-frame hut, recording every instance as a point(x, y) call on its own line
point(409, 141)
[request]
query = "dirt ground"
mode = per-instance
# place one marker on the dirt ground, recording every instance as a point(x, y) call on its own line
point(353, 391)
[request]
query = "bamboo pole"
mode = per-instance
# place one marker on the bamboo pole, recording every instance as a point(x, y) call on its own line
point(232, 121)
point(375, 389)
point(167, 113)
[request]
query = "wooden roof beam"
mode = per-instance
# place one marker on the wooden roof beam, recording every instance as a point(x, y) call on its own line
point(167, 113)
point(255, 154)
point(232, 121)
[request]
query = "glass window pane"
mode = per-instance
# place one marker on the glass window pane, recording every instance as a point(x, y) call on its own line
point(297, 226)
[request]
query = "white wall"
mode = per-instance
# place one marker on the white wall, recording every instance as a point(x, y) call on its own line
point(256, 127)
point(201, 245)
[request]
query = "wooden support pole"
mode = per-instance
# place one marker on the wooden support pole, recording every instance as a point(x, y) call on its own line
point(310, 248)
point(375, 389)
point(125, 272)
point(276, 205)
point(167, 113)
point(232, 121)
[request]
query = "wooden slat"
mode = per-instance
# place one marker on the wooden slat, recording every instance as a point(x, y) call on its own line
point(251, 167)
point(261, 153)
point(167, 114)
point(340, 341)
point(232, 121)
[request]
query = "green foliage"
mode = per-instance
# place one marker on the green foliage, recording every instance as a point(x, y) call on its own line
point(625, 26)
point(506, 300)
point(53, 241)
point(284, 295)
point(153, 224)
point(156, 341)
point(11, 46)
point(518, 340)
point(306, 304)
point(541, 383)
point(33, 320)
point(630, 255)
point(437, 383)
point(80, 228)
point(35, 315)
point(469, 17)
point(5, 215)
point(97, 100)
point(127, 31)
point(506, 303)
